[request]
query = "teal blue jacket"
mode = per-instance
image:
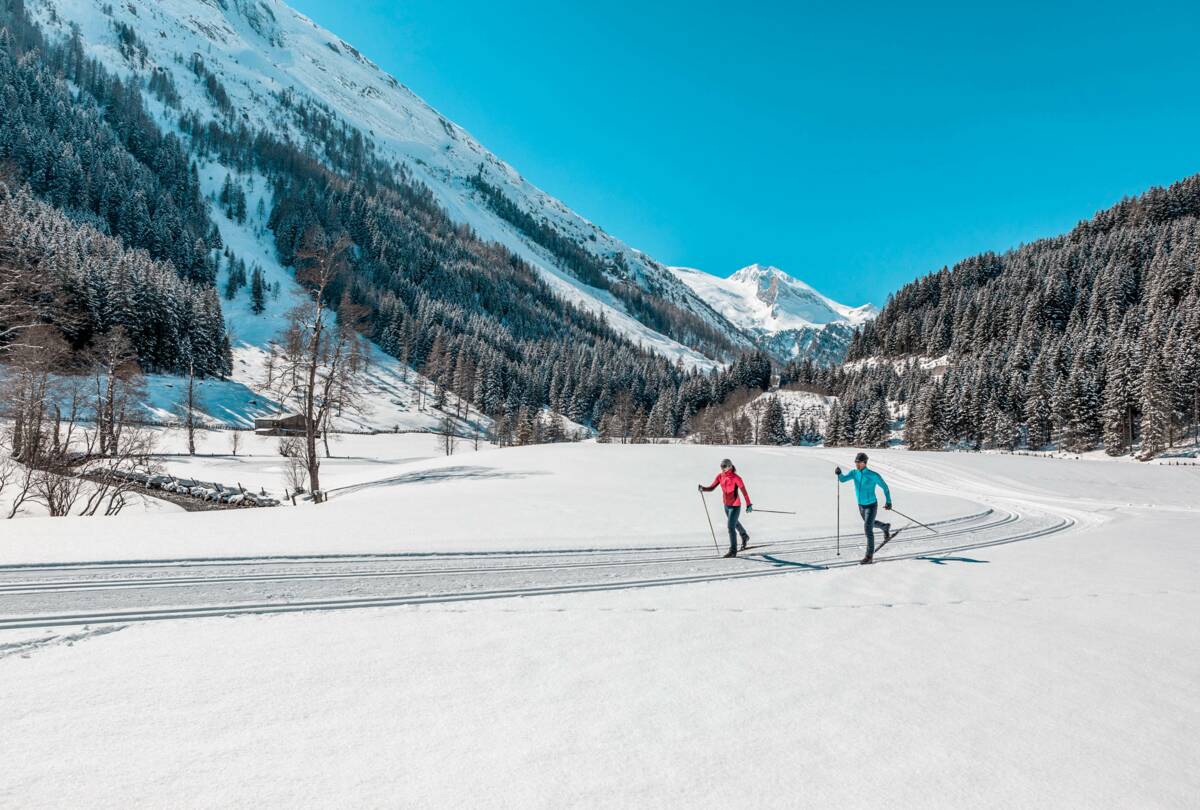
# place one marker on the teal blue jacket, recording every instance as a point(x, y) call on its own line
point(864, 485)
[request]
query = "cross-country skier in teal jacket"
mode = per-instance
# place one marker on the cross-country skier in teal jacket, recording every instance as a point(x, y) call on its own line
point(865, 482)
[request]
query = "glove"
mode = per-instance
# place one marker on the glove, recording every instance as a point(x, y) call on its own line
point(699, 487)
point(837, 470)
point(749, 508)
point(887, 506)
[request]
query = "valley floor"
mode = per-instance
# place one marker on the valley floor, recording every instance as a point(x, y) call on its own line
point(1055, 670)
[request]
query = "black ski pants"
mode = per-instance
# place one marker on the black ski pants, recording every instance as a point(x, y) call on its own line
point(732, 513)
point(870, 524)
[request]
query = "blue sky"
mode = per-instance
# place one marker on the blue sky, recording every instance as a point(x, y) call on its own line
point(856, 148)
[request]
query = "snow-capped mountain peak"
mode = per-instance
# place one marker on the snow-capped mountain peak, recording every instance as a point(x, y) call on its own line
point(762, 298)
point(783, 312)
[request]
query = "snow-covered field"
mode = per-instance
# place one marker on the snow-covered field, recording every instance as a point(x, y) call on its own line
point(258, 465)
point(1055, 671)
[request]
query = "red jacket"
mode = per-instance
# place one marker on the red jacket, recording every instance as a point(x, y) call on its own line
point(729, 482)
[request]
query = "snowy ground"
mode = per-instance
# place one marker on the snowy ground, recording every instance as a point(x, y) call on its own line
point(1058, 671)
point(258, 465)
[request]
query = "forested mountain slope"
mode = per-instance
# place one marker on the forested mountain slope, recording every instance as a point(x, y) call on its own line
point(1086, 339)
point(199, 133)
point(80, 138)
point(262, 66)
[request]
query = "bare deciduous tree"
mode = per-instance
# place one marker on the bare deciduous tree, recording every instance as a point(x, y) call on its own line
point(31, 390)
point(64, 460)
point(187, 409)
point(119, 382)
point(320, 362)
point(109, 474)
point(448, 438)
point(294, 472)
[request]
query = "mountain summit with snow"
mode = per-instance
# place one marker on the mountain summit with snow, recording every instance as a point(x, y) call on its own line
point(786, 316)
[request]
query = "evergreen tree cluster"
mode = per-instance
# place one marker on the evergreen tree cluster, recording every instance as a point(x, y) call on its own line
point(55, 271)
point(83, 141)
point(237, 277)
point(211, 84)
point(1088, 339)
point(233, 200)
point(649, 306)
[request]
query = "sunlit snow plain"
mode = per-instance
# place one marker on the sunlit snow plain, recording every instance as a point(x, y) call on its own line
point(1059, 670)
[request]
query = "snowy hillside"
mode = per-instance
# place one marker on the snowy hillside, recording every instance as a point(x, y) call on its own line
point(397, 396)
point(797, 405)
point(788, 317)
point(261, 50)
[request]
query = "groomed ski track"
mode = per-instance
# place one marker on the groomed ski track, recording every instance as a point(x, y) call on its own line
point(34, 596)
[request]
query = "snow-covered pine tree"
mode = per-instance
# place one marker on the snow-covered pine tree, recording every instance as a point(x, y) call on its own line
point(833, 425)
point(1155, 393)
point(874, 426)
point(1037, 407)
point(1083, 423)
point(774, 427)
point(1118, 405)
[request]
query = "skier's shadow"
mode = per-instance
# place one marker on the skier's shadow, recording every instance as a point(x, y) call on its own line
point(781, 562)
point(944, 560)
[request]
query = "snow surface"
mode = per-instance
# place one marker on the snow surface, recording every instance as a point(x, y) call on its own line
point(258, 465)
point(1058, 672)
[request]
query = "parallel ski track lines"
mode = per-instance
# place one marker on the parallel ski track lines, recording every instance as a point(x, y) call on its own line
point(416, 556)
point(778, 547)
point(110, 617)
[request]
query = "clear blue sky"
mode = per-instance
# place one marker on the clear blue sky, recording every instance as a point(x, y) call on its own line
point(856, 148)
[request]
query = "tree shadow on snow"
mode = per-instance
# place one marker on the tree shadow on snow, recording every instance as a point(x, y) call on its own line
point(435, 476)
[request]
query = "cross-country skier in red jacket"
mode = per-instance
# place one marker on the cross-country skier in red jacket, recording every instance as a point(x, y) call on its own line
point(730, 482)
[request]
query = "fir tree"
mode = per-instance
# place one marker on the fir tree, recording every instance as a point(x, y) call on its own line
point(1118, 403)
point(774, 428)
point(1156, 406)
point(258, 302)
point(833, 425)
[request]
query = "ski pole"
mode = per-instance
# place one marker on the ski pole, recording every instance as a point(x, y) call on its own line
point(710, 526)
point(914, 520)
point(839, 516)
point(772, 511)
